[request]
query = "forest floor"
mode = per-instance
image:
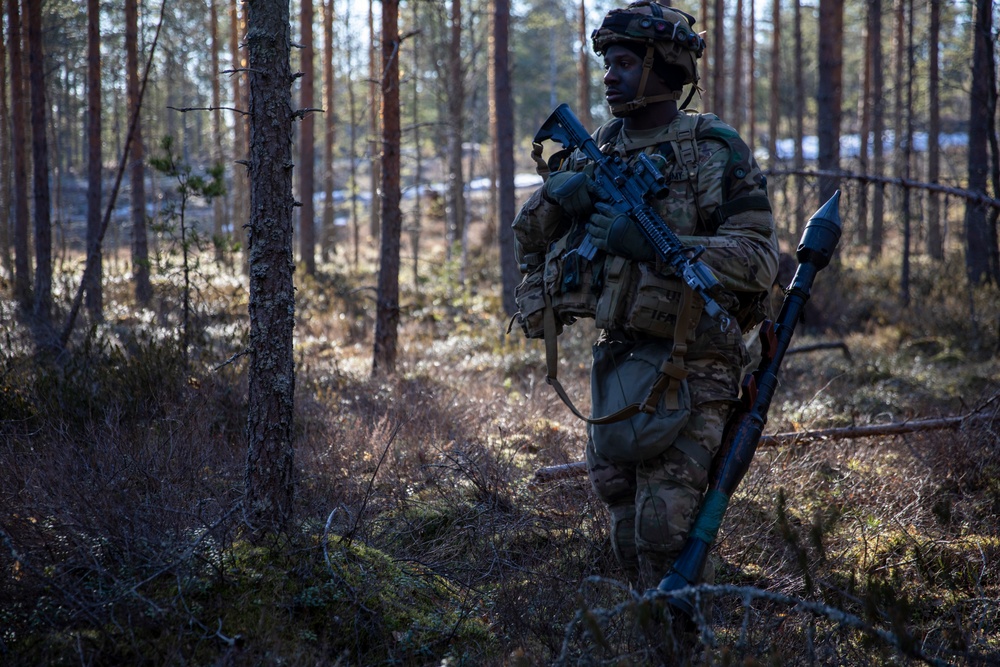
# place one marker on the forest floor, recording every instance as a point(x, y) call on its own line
point(420, 534)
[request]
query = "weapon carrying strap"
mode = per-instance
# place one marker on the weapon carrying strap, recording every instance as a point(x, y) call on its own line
point(666, 384)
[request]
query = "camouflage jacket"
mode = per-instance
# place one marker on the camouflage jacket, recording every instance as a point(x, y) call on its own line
point(718, 200)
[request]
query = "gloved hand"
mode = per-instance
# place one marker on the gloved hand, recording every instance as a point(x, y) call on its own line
point(569, 190)
point(618, 234)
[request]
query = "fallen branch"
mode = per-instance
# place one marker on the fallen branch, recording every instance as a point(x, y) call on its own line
point(577, 468)
point(837, 345)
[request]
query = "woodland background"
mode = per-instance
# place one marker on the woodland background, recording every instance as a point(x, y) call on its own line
point(253, 413)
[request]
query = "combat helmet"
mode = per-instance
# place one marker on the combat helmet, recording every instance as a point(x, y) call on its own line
point(665, 32)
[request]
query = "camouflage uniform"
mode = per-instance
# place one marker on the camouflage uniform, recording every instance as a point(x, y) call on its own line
point(653, 503)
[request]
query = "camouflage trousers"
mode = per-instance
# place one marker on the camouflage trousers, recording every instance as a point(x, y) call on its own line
point(653, 504)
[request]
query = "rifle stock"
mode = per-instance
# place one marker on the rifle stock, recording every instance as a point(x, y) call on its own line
point(743, 432)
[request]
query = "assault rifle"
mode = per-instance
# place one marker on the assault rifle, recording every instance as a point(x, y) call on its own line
point(744, 429)
point(626, 187)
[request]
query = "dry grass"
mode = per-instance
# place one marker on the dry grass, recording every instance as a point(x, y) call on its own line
point(418, 537)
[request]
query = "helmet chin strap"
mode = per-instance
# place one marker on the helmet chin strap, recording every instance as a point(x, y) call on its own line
point(640, 100)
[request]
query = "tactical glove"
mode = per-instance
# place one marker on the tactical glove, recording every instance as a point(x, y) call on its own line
point(569, 190)
point(618, 234)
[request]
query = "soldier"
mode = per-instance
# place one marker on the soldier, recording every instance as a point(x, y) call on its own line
point(652, 469)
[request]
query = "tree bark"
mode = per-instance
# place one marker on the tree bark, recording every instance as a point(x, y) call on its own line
point(935, 242)
point(240, 199)
point(829, 95)
point(503, 121)
point(907, 146)
point(269, 485)
point(19, 131)
point(137, 168)
point(42, 308)
point(774, 114)
point(977, 233)
point(387, 315)
point(719, 59)
point(218, 203)
point(865, 113)
point(752, 82)
point(374, 220)
point(798, 157)
point(92, 287)
point(456, 124)
point(6, 194)
point(328, 237)
point(582, 61)
point(307, 146)
point(738, 114)
point(878, 129)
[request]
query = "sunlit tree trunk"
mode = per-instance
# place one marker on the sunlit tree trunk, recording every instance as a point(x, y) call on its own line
point(19, 131)
point(269, 484)
point(328, 232)
point(40, 167)
point(240, 199)
point(94, 294)
point(307, 145)
point(503, 122)
point(935, 241)
point(353, 148)
point(828, 97)
point(387, 314)
point(137, 168)
point(980, 243)
point(705, 65)
point(416, 221)
point(374, 224)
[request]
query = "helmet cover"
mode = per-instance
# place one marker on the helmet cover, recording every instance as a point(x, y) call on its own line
point(648, 23)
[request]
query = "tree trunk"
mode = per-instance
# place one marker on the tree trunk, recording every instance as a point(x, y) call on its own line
point(328, 237)
point(774, 114)
point(738, 113)
point(40, 168)
point(907, 161)
point(92, 287)
point(269, 485)
point(6, 194)
point(582, 63)
point(456, 117)
point(218, 203)
point(19, 131)
point(374, 221)
point(935, 242)
point(865, 113)
point(241, 198)
point(719, 59)
point(878, 128)
point(828, 97)
point(137, 169)
point(977, 232)
point(798, 158)
point(503, 121)
point(307, 146)
point(387, 312)
point(752, 83)
point(353, 148)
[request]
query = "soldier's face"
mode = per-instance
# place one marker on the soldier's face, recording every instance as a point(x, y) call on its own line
point(622, 74)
